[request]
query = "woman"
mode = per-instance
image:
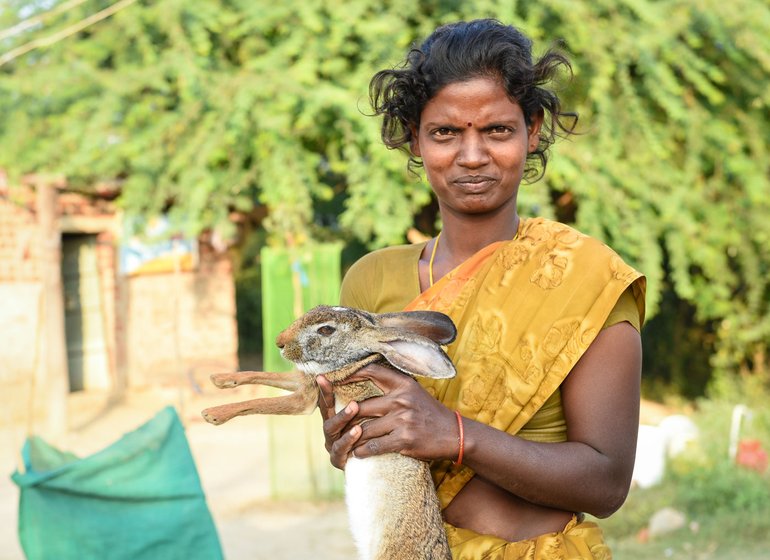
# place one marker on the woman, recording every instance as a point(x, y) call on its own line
point(548, 352)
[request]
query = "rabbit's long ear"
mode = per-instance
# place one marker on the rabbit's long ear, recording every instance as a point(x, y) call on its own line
point(430, 324)
point(417, 358)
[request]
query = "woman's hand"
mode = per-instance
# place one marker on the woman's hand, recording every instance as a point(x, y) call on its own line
point(340, 431)
point(406, 420)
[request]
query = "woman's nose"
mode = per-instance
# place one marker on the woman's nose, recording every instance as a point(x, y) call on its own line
point(473, 151)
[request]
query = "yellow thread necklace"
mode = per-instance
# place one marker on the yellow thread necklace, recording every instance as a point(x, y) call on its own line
point(433, 255)
point(432, 258)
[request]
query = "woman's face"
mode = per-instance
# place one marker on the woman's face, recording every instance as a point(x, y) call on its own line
point(474, 141)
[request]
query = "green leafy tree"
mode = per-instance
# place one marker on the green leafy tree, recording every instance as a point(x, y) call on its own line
point(199, 108)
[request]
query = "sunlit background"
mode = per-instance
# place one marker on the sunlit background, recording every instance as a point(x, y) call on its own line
point(179, 179)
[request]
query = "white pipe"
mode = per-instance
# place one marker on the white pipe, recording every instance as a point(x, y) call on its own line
point(739, 411)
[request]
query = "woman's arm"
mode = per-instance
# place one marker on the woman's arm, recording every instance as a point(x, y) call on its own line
point(590, 472)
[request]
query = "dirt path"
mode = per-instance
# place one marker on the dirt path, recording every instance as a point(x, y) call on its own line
point(285, 531)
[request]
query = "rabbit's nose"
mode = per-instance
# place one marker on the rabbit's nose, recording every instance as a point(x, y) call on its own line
point(281, 340)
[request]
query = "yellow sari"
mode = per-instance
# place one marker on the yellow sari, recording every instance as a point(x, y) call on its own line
point(526, 310)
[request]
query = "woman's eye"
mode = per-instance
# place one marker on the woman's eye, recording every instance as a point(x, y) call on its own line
point(326, 330)
point(443, 132)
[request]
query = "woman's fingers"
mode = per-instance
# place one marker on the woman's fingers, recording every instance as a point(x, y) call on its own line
point(336, 425)
point(326, 403)
point(338, 434)
point(343, 447)
point(377, 437)
point(386, 378)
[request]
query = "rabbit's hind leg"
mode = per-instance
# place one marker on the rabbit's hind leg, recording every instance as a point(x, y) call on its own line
point(289, 381)
point(302, 401)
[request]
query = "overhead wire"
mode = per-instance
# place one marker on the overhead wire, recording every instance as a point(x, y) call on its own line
point(64, 33)
point(38, 18)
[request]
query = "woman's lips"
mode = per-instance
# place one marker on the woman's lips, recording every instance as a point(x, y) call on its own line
point(474, 182)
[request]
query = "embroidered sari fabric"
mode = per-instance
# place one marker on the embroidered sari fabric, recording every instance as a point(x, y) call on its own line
point(526, 310)
point(580, 540)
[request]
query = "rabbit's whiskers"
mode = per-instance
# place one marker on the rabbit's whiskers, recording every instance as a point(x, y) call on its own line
point(312, 367)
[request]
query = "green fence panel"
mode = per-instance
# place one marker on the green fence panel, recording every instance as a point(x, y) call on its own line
point(292, 281)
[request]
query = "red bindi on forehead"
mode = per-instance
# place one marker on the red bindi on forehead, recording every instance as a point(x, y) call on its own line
point(470, 124)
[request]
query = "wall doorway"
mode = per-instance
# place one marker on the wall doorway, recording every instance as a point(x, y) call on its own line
point(84, 322)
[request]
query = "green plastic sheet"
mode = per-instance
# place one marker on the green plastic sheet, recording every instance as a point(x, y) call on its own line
point(140, 498)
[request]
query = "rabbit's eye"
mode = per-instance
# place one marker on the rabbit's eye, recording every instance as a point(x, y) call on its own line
point(326, 330)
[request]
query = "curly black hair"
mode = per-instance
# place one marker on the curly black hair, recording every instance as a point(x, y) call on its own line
point(459, 52)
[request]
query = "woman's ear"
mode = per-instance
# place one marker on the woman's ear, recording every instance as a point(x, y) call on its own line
point(533, 130)
point(414, 142)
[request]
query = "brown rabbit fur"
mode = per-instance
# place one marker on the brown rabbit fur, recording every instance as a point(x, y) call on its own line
point(393, 509)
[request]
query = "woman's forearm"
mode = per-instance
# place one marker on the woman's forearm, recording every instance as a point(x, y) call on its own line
point(571, 475)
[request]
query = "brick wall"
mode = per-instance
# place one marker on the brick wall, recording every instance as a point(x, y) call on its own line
point(20, 294)
point(181, 327)
point(18, 237)
point(160, 328)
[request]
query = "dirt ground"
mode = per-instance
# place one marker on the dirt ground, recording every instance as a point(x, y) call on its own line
point(232, 468)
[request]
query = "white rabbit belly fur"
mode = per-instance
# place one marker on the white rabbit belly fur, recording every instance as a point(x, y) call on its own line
point(366, 499)
point(392, 506)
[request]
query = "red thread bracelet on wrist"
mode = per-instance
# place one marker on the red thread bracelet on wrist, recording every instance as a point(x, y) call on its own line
point(461, 439)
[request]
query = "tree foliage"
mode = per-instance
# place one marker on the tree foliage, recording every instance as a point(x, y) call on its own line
point(208, 106)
